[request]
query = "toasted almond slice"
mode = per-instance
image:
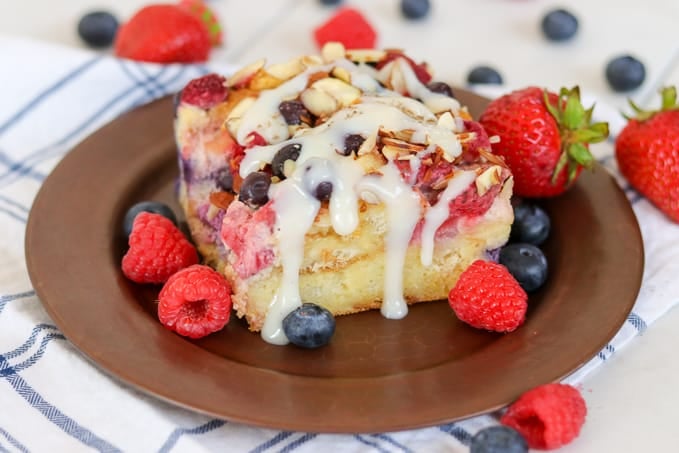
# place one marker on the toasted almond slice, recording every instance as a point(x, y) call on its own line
point(401, 144)
point(319, 102)
point(234, 117)
point(487, 179)
point(492, 158)
point(332, 51)
point(342, 74)
point(367, 146)
point(464, 137)
point(263, 80)
point(365, 55)
point(313, 77)
point(396, 80)
point(446, 120)
point(371, 162)
point(243, 75)
point(311, 60)
point(344, 93)
point(394, 152)
point(287, 70)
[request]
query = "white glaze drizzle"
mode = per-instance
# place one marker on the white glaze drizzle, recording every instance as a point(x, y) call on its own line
point(295, 206)
point(402, 204)
point(438, 213)
point(300, 211)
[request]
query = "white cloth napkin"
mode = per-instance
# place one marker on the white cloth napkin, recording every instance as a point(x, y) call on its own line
point(52, 398)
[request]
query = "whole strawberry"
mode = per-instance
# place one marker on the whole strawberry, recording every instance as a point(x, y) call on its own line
point(163, 34)
point(202, 11)
point(486, 296)
point(647, 151)
point(544, 138)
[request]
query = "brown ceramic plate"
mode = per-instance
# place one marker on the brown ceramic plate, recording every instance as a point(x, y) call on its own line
point(377, 374)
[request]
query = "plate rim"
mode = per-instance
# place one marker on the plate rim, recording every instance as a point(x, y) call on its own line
point(202, 357)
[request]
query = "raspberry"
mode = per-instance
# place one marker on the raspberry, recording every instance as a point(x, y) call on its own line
point(486, 296)
point(349, 27)
point(157, 250)
point(205, 92)
point(195, 302)
point(548, 416)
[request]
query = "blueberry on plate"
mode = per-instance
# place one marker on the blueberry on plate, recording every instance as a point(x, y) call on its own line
point(330, 2)
point(625, 73)
point(559, 25)
point(415, 9)
point(485, 75)
point(309, 326)
point(498, 439)
point(531, 224)
point(146, 206)
point(526, 263)
point(98, 28)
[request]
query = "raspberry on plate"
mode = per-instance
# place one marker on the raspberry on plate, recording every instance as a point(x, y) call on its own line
point(195, 302)
point(548, 416)
point(157, 250)
point(486, 296)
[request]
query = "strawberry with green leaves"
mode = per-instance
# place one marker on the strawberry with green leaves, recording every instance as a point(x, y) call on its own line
point(163, 33)
point(647, 151)
point(544, 138)
point(201, 10)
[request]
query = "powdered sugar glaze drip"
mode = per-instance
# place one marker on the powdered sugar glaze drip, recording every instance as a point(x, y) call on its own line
point(295, 198)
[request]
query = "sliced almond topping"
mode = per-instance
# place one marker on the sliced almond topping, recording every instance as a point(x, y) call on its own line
point(287, 70)
point(317, 76)
point(311, 60)
point(396, 80)
point(344, 93)
point(263, 80)
point(234, 117)
point(366, 55)
point(332, 51)
point(319, 102)
point(446, 120)
point(487, 179)
point(403, 145)
point(371, 162)
point(492, 158)
point(245, 74)
point(465, 137)
point(342, 74)
point(367, 146)
point(395, 152)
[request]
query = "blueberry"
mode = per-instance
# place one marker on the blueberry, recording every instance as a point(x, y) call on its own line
point(351, 144)
point(323, 191)
point(498, 439)
point(526, 263)
point(309, 326)
point(288, 152)
point(224, 180)
point(98, 28)
point(330, 2)
point(625, 73)
point(559, 25)
point(484, 74)
point(531, 224)
point(441, 88)
point(294, 113)
point(254, 191)
point(146, 206)
point(415, 9)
